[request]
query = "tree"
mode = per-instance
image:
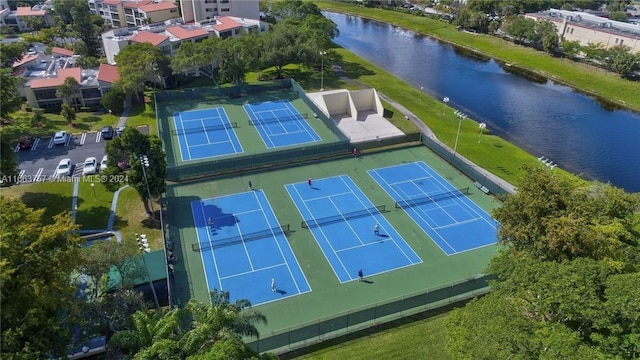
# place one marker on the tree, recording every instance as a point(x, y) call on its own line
point(241, 56)
point(9, 96)
point(67, 90)
point(8, 162)
point(548, 34)
point(36, 295)
point(137, 64)
point(68, 113)
point(104, 256)
point(280, 46)
point(112, 311)
point(84, 27)
point(570, 251)
point(624, 61)
point(12, 52)
point(113, 100)
point(521, 28)
point(204, 56)
point(571, 48)
point(293, 9)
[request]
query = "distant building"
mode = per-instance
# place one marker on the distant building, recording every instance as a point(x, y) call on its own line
point(169, 35)
point(199, 10)
point(134, 13)
point(18, 19)
point(587, 28)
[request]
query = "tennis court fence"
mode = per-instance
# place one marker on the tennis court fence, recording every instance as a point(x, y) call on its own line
point(429, 198)
point(254, 122)
point(202, 129)
point(307, 224)
point(214, 244)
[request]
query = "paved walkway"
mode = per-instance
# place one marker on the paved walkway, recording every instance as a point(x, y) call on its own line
point(427, 131)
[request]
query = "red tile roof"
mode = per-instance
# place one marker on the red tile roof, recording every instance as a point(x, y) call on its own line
point(157, 7)
point(112, 2)
point(62, 51)
point(226, 23)
point(58, 80)
point(183, 34)
point(25, 59)
point(26, 11)
point(135, 4)
point(146, 36)
point(108, 73)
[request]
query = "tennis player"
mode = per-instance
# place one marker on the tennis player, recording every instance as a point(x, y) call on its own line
point(376, 229)
point(273, 285)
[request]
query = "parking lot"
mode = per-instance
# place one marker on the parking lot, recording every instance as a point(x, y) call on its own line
point(39, 163)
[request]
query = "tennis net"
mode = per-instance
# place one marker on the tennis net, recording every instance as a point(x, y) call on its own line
point(431, 198)
point(200, 129)
point(214, 244)
point(255, 122)
point(343, 217)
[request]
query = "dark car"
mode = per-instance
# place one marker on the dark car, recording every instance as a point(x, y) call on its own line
point(26, 142)
point(107, 132)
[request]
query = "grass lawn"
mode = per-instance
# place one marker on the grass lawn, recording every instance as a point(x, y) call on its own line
point(131, 218)
point(424, 339)
point(54, 197)
point(144, 114)
point(85, 121)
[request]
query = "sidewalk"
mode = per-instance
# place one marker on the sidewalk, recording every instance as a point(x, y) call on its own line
point(424, 129)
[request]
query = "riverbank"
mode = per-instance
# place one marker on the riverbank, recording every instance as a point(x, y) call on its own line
point(606, 86)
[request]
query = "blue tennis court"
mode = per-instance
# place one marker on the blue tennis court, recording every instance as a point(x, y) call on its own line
point(280, 124)
point(454, 222)
point(205, 133)
point(243, 247)
point(342, 220)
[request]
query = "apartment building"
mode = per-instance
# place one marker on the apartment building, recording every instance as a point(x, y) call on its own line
point(169, 35)
point(194, 11)
point(587, 28)
point(19, 18)
point(134, 13)
point(43, 74)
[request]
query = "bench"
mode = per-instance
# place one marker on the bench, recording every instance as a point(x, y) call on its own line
point(477, 184)
point(485, 190)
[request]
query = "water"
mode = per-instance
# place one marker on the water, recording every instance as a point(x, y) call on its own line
point(545, 119)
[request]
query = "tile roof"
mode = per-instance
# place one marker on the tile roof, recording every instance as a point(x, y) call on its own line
point(135, 4)
point(183, 34)
point(158, 7)
point(62, 51)
point(226, 23)
point(26, 11)
point(112, 2)
point(146, 36)
point(25, 59)
point(58, 80)
point(108, 73)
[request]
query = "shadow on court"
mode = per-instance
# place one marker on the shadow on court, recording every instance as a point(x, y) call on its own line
point(315, 188)
point(367, 281)
point(281, 292)
point(220, 219)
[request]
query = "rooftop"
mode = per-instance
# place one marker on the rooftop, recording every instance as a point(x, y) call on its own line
point(146, 36)
point(108, 73)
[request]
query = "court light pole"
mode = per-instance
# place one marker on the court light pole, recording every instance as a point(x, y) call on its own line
point(144, 249)
point(144, 160)
point(93, 187)
point(461, 116)
point(322, 54)
point(445, 101)
point(421, 92)
point(482, 126)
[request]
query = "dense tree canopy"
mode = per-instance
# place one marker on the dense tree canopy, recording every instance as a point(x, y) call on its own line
point(566, 278)
point(36, 293)
point(9, 96)
point(12, 52)
point(137, 64)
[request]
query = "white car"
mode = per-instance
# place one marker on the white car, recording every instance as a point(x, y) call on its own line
point(90, 166)
point(60, 138)
point(103, 163)
point(64, 168)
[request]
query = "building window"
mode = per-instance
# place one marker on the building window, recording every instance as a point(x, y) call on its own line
point(224, 9)
point(46, 94)
point(224, 1)
point(616, 40)
point(90, 93)
point(621, 41)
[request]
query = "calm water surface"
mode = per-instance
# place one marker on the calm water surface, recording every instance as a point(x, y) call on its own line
point(546, 119)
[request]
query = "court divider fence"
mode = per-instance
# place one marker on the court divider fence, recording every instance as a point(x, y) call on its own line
point(358, 319)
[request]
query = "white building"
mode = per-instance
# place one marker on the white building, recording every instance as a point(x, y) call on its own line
point(134, 13)
point(18, 19)
point(169, 35)
point(199, 10)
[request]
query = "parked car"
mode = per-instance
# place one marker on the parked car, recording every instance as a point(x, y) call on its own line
point(120, 130)
point(60, 138)
point(64, 168)
point(107, 132)
point(103, 163)
point(26, 142)
point(90, 166)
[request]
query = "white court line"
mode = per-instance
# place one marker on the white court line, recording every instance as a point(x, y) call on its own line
point(458, 223)
point(300, 120)
point(206, 134)
point(183, 136)
point(327, 196)
point(244, 245)
point(323, 234)
point(215, 263)
point(412, 180)
point(373, 216)
point(249, 110)
point(225, 118)
point(275, 238)
point(346, 222)
point(365, 245)
point(252, 271)
point(405, 210)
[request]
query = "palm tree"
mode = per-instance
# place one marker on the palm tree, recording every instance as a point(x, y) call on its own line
point(67, 90)
point(222, 320)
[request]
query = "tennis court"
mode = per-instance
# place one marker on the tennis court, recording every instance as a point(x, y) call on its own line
point(205, 133)
point(454, 222)
point(342, 219)
point(280, 124)
point(243, 247)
